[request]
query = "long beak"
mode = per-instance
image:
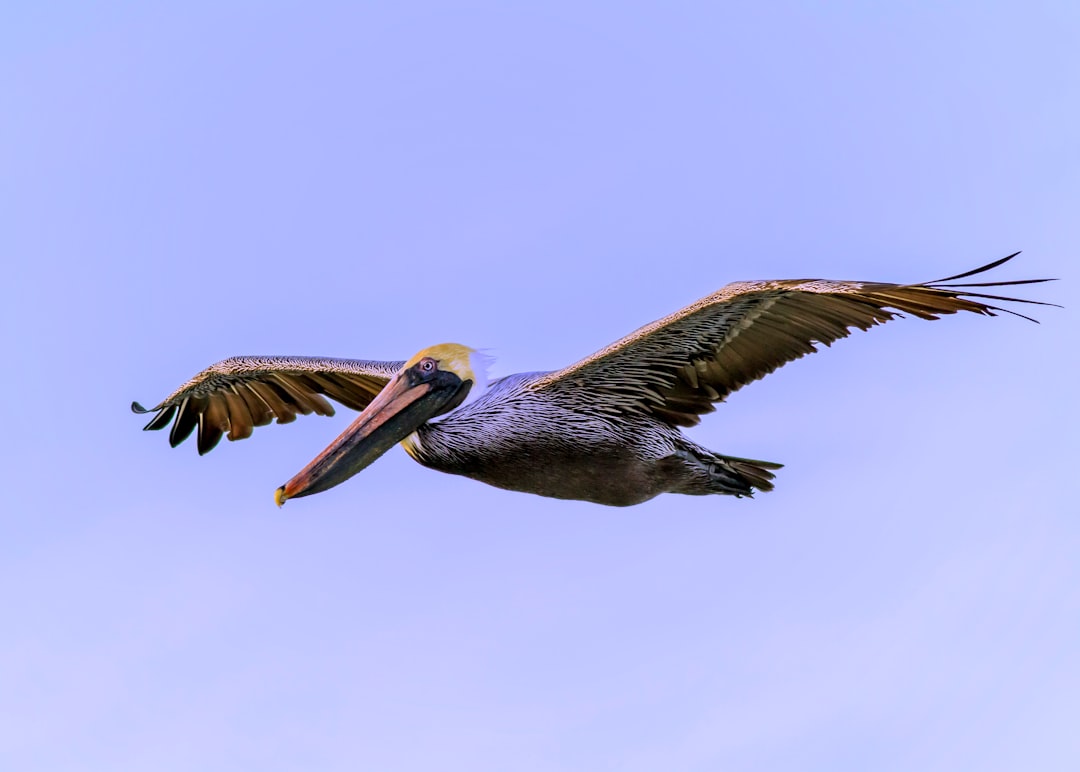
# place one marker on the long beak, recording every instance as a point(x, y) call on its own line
point(398, 410)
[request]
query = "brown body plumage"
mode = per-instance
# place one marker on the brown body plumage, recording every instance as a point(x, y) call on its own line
point(604, 429)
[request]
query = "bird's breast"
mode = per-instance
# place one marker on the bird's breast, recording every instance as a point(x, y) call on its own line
point(548, 449)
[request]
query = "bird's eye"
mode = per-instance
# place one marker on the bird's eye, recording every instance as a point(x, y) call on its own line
point(427, 365)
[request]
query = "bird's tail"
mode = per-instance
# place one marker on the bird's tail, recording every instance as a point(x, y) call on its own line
point(758, 474)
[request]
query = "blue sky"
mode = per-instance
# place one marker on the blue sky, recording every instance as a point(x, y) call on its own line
point(187, 182)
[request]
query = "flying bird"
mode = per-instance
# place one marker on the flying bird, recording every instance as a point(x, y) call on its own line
point(605, 429)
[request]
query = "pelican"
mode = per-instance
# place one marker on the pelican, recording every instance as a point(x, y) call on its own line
point(605, 429)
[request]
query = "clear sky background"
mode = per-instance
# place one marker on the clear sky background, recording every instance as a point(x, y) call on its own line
point(187, 182)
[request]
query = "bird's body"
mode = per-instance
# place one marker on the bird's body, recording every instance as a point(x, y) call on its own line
point(605, 429)
point(520, 438)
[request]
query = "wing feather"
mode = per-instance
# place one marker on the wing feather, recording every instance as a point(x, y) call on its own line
point(238, 394)
point(241, 424)
point(678, 367)
point(260, 412)
point(187, 418)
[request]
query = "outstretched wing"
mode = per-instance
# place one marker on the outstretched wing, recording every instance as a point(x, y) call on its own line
point(678, 367)
point(238, 394)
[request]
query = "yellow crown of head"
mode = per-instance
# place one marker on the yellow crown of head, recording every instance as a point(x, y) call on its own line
point(451, 357)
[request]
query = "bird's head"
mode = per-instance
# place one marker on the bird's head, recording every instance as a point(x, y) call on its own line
point(429, 386)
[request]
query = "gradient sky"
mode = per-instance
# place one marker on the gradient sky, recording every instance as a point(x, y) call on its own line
point(180, 183)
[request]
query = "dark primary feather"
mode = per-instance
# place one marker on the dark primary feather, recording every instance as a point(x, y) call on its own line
point(238, 394)
point(678, 367)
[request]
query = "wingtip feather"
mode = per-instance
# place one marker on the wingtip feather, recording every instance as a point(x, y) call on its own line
point(981, 269)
